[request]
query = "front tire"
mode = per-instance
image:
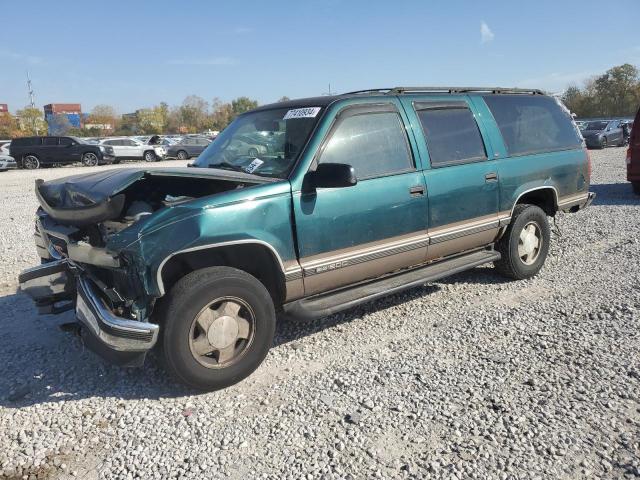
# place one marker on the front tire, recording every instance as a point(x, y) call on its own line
point(30, 162)
point(218, 324)
point(525, 244)
point(150, 156)
point(182, 155)
point(90, 159)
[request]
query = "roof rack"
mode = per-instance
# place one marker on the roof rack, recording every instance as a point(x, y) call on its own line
point(403, 90)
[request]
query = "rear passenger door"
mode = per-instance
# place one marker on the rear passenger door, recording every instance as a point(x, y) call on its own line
point(51, 150)
point(461, 179)
point(377, 226)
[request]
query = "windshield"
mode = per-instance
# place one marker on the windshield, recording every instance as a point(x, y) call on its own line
point(596, 125)
point(266, 142)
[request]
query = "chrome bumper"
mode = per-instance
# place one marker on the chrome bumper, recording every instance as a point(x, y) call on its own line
point(55, 282)
point(116, 332)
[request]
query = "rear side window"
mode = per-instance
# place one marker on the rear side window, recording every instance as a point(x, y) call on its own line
point(26, 141)
point(532, 123)
point(374, 144)
point(51, 141)
point(452, 134)
point(65, 141)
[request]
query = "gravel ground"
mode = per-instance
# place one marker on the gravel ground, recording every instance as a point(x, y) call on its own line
point(470, 377)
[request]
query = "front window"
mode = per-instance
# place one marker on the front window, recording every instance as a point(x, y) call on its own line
point(266, 142)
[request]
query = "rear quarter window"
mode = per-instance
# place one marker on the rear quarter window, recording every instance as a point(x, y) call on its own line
point(532, 124)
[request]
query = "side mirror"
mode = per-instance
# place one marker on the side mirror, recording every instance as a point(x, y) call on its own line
point(332, 175)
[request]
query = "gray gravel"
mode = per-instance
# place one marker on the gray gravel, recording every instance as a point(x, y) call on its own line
point(472, 376)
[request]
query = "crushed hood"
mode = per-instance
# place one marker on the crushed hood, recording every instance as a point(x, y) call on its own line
point(95, 197)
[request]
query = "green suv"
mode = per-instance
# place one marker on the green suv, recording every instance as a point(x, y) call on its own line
point(349, 198)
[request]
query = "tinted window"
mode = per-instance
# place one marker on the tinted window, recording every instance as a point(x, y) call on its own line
point(51, 141)
point(374, 144)
point(65, 141)
point(452, 135)
point(532, 124)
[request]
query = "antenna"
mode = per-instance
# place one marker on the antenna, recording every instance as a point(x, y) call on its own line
point(32, 102)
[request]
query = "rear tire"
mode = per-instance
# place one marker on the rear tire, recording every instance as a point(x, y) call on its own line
point(525, 244)
point(636, 187)
point(30, 162)
point(218, 324)
point(604, 143)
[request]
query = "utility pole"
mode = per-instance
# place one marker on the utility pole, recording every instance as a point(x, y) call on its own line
point(32, 102)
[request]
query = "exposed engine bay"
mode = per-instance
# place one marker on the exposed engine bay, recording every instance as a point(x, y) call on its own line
point(88, 209)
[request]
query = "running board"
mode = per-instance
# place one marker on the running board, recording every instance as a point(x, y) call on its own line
point(328, 303)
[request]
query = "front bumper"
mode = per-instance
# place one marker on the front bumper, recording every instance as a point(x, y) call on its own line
point(118, 339)
point(8, 165)
point(593, 142)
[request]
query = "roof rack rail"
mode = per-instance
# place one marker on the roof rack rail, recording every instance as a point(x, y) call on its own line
point(369, 90)
point(403, 90)
point(400, 90)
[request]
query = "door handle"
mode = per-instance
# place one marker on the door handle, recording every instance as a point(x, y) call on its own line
point(491, 177)
point(417, 190)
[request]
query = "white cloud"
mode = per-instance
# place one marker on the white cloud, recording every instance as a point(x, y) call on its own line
point(486, 35)
point(215, 61)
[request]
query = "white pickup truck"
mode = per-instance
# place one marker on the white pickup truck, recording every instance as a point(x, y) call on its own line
point(129, 149)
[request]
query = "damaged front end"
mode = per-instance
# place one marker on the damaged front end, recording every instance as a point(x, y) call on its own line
point(84, 232)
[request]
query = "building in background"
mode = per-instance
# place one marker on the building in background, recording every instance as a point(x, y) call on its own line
point(4, 108)
point(55, 112)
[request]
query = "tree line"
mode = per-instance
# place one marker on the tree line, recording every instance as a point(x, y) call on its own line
point(616, 93)
point(194, 115)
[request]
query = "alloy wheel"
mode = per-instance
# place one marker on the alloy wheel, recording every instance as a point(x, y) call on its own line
point(31, 162)
point(90, 160)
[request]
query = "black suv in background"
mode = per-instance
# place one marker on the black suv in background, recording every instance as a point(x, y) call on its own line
point(34, 152)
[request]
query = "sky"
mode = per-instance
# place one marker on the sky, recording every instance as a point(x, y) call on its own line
point(135, 54)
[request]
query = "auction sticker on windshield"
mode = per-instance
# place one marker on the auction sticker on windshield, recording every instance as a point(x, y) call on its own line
point(308, 112)
point(253, 165)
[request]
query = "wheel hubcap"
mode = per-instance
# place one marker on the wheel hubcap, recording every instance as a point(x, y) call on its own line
point(221, 332)
point(530, 243)
point(90, 159)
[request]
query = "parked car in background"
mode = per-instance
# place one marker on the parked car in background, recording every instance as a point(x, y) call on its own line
point(7, 162)
point(188, 147)
point(4, 147)
point(373, 193)
point(129, 149)
point(603, 133)
point(36, 152)
point(633, 156)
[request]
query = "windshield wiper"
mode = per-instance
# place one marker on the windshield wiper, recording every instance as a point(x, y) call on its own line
point(226, 166)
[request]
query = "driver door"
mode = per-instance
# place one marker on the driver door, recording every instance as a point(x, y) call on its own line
point(350, 234)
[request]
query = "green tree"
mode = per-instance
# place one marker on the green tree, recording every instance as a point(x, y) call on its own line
point(103, 115)
point(284, 99)
point(243, 104)
point(150, 120)
point(193, 113)
point(31, 121)
point(8, 126)
point(616, 93)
